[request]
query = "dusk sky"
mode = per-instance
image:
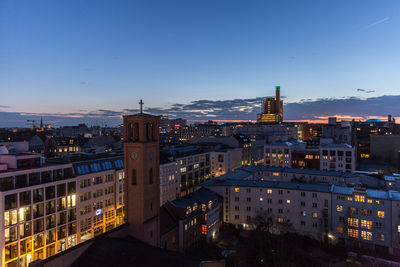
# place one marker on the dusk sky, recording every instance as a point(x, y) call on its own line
point(96, 59)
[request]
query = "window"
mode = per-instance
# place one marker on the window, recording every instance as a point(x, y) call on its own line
point(381, 237)
point(352, 222)
point(381, 214)
point(314, 205)
point(151, 176)
point(314, 195)
point(237, 189)
point(339, 229)
point(315, 215)
point(339, 208)
point(280, 220)
point(366, 235)
point(133, 177)
point(352, 233)
point(10, 201)
point(10, 217)
point(349, 198)
point(366, 224)
point(25, 198)
point(303, 194)
point(280, 192)
point(269, 191)
point(359, 198)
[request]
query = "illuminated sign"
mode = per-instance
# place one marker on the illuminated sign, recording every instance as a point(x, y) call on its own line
point(98, 212)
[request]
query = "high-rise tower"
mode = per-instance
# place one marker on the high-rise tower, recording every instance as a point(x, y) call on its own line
point(272, 108)
point(142, 184)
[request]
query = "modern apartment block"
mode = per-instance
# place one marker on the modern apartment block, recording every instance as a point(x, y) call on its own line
point(225, 160)
point(355, 216)
point(327, 156)
point(337, 157)
point(47, 208)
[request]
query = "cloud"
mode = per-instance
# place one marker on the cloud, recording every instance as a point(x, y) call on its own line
point(3, 106)
point(366, 91)
point(224, 110)
point(377, 22)
point(83, 82)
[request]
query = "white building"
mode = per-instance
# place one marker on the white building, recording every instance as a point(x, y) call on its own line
point(48, 208)
point(169, 181)
point(355, 216)
point(337, 157)
point(225, 160)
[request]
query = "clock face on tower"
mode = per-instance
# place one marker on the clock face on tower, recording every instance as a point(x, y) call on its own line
point(133, 155)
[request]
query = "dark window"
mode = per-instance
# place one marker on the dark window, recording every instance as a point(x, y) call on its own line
point(50, 221)
point(60, 190)
point(151, 176)
point(71, 188)
point(50, 192)
point(136, 132)
point(25, 198)
point(10, 201)
point(20, 181)
point(46, 176)
point(37, 195)
point(50, 207)
point(133, 177)
point(38, 210)
point(6, 183)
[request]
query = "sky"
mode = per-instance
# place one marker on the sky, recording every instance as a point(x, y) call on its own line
point(87, 61)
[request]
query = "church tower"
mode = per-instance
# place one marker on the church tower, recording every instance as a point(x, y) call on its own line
point(142, 183)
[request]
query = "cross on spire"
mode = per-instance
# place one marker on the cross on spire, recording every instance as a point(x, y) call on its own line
point(141, 106)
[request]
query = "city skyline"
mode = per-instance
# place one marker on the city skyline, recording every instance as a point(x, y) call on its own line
point(87, 57)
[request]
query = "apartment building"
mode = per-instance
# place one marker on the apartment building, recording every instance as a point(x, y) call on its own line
point(193, 219)
point(328, 155)
point(337, 157)
point(48, 207)
point(170, 180)
point(225, 160)
point(354, 216)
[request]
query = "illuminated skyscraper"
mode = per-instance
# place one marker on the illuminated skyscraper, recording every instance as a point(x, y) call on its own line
point(272, 108)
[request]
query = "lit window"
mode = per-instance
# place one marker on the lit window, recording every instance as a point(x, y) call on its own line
point(382, 237)
point(261, 199)
point(359, 198)
point(288, 201)
point(366, 224)
point(237, 189)
point(377, 202)
point(352, 222)
point(352, 233)
point(366, 235)
point(339, 230)
point(280, 220)
point(275, 174)
point(315, 215)
point(269, 191)
point(339, 208)
point(349, 198)
point(398, 228)
point(369, 201)
point(381, 214)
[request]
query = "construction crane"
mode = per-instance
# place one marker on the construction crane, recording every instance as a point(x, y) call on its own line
point(33, 123)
